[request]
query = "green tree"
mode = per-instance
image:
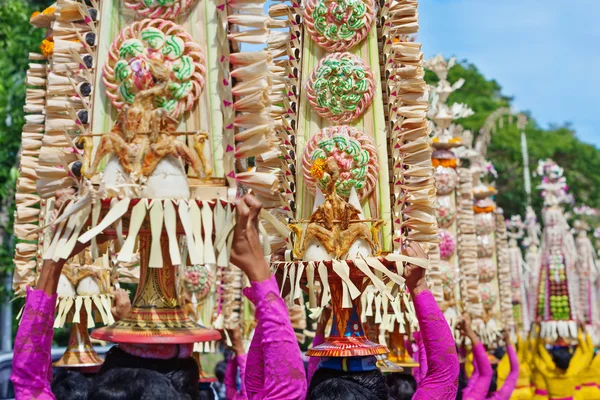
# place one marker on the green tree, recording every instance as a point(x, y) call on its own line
point(559, 142)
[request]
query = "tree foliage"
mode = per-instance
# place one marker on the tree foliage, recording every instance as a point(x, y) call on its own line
point(559, 142)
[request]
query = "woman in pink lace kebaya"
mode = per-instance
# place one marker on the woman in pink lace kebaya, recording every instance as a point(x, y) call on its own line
point(275, 369)
point(479, 383)
point(441, 379)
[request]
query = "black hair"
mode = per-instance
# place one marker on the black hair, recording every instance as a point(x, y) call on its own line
point(183, 373)
point(499, 352)
point(134, 383)
point(401, 386)
point(561, 357)
point(340, 385)
point(220, 369)
point(207, 394)
point(70, 385)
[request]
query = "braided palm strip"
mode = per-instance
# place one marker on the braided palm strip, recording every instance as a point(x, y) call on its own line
point(191, 50)
point(325, 111)
point(337, 44)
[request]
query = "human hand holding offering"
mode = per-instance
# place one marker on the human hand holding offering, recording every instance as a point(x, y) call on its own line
point(246, 251)
point(237, 344)
point(413, 274)
point(467, 330)
point(122, 304)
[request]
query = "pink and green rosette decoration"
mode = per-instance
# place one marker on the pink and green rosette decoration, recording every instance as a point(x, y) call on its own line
point(338, 25)
point(167, 9)
point(354, 153)
point(341, 87)
point(139, 50)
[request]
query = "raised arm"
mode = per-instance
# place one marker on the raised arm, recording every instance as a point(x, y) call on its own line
point(583, 354)
point(237, 363)
point(421, 371)
point(32, 361)
point(441, 381)
point(283, 370)
point(510, 383)
point(472, 379)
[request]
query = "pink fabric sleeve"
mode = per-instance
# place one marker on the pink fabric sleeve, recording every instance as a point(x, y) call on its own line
point(313, 363)
point(32, 360)
point(481, 384)
point(230, 378)
point(511, 381)
point(420, 372)
point(282, 366)
point(441, 381)
point(255, 374)
point(235, 364)
point(474, 376)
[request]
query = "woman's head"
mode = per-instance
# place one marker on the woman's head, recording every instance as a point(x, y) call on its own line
point(70, 385)
point(134, 383)
point(332, 384)
point(561, 357)
point(401, 386)
point(183, 373)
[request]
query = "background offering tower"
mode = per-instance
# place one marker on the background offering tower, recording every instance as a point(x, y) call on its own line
point(455, 258)
point(558, 292)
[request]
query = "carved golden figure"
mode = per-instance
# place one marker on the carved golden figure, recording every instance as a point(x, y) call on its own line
point(336, 224)
point(144, 134)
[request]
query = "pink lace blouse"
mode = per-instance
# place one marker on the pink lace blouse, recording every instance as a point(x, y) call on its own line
point(235, 364)
point(274, 369)
point(32, 360)
point(441, 379)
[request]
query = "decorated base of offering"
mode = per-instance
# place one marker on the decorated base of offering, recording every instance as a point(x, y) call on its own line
point(156, 316)
point(399, 355)
point(344, 281)
point(80, 353)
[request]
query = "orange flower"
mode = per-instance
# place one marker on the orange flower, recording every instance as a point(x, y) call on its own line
point(34, 14)
point(446, 163)
point(49, 10)
point(47, 47)
point(317, 170)
point(483, 210)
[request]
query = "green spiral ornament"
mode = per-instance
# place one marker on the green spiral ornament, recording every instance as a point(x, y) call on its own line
point(338, 25)
point(341, 87)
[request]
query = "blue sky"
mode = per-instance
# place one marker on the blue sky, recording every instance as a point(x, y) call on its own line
point(545, 53)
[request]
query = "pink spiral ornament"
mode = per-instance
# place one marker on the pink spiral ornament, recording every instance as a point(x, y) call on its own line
point(128, 69)
point(341, 87)
point(338, 25)
point(165, 9)
point(198, 279)
point(356, 157)
point(447, 244)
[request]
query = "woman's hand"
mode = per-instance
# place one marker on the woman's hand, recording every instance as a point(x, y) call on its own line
point(246, 252)
point(467, 330)
point(237, 344)
point(122, 305)
point(413, 274)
